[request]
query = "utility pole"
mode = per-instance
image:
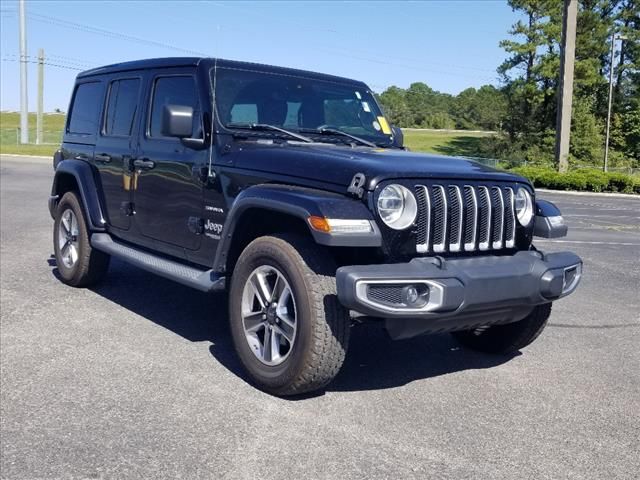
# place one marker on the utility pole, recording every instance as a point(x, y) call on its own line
point(565, 92)
point(606, 142)
point(40, 96)
point(24, 102)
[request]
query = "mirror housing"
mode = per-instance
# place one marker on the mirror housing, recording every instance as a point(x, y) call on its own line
point(398, 137)
point(177, 121)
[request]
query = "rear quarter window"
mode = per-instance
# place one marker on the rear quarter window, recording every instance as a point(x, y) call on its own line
point(85, 109)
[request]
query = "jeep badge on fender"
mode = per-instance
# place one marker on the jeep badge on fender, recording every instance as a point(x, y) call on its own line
point(292, 192)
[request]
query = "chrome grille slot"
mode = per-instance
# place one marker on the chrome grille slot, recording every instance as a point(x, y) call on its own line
point(456, 218)
point(424, 218)
point(455, 221)
point(509, 218)
point(440, 214)
point(498, 217)
point(471, 219)
point(485, 218)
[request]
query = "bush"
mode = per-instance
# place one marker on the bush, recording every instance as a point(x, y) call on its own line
point(619, 182)
point(580, 180)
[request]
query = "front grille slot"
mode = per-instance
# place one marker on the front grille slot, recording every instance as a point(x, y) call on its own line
point(456, 218)
point(440, 218)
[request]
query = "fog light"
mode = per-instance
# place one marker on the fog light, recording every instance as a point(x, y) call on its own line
point(415, 296)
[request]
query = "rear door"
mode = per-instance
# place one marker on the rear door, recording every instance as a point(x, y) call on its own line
point(168, 196)
point(116, 146)
point(83, 120)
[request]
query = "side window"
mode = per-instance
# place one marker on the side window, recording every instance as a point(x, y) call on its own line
point(121, 107)
point(175, 90)
point(85, 109)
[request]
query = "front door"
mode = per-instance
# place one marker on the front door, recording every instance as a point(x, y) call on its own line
point(168, 195)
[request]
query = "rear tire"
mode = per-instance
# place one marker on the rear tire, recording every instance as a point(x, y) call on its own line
point(302, 317)
point(507, 338)
point(78, 263)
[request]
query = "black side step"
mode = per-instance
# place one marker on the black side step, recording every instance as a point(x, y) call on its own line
point(203, 280)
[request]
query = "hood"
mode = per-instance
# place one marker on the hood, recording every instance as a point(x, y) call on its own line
point(338, 165)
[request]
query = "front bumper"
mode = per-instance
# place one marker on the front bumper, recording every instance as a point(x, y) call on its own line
point(458, 293)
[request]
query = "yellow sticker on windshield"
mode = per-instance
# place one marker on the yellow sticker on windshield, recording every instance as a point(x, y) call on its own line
point(384, 125)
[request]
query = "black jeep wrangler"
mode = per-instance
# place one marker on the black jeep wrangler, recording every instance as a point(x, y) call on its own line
point(291, 190)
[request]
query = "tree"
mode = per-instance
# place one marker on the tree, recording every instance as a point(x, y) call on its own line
point(530, 76)
point(395, 106)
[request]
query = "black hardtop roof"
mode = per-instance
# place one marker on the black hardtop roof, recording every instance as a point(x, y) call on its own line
point(169, 62)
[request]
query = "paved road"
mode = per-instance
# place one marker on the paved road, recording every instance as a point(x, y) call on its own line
point(137, 378)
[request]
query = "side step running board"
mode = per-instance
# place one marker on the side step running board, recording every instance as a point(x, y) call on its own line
point(203, 280)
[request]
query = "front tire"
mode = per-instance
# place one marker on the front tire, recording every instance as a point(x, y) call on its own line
point(507, 338)
point(78, 263)
point(288, 328)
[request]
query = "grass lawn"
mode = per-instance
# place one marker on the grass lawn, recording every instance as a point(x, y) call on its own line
point(52, 126)
point(444, 143)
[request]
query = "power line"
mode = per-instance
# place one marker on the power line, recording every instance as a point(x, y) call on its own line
point(60, 59)
point(46, 63)
point(106, 33)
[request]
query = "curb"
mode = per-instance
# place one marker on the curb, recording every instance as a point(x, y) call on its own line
point(25, 156)
point(590, 194)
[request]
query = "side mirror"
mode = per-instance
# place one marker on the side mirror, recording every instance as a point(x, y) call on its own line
point(398, 137)
point(177, 121)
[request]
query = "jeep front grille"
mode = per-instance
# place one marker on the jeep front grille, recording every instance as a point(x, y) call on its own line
point(457, 218)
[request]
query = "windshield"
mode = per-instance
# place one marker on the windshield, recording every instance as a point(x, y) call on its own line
point(299, 104)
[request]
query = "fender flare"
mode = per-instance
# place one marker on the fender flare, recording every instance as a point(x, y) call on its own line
point(300, 203)
point(87, 187)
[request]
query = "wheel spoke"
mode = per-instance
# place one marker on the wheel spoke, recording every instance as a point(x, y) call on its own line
point(74, 225)
point(253, 321)
point(267, 346)
point(283, 299)
point(73, 253)
point(281, 331)
point(278, 288)
point(261, 288)
point(66, 225)
point(286, 319)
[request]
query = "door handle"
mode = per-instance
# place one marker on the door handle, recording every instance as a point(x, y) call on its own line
point(103, 158)
point(144, 163)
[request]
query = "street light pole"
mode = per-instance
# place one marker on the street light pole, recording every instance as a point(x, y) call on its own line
point(606, 142)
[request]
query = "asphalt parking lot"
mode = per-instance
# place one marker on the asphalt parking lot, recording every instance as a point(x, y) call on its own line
point(137, 378)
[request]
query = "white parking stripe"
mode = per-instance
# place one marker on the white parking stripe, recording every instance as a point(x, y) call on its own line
point(588, 243)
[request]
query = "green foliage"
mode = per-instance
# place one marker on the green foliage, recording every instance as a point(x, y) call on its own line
point(581, 180)
point(419, 106)
point(586, 134)
point(530, 76)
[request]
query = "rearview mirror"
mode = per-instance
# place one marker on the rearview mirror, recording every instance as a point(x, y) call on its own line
point(398, 137)
point(177, 121)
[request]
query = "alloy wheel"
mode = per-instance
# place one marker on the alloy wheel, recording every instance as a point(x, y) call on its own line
point(269, 316)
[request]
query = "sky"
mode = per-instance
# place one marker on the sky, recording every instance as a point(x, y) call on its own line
point(449, 45)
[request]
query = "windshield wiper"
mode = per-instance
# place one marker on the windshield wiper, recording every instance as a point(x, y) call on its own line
point(266, 126)
point(335, 131)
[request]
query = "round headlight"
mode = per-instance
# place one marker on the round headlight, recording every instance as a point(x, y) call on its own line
point(524, 206)
point(397, 207)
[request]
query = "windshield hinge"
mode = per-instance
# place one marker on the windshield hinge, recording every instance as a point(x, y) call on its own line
point(357, 185)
